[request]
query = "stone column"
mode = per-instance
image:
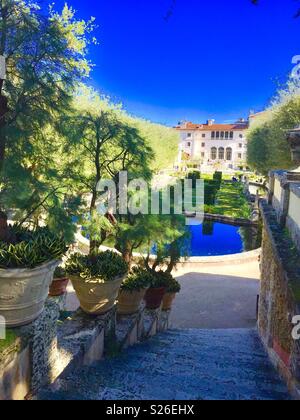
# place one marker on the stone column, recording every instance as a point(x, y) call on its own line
point(285, 203)
point(271, 188)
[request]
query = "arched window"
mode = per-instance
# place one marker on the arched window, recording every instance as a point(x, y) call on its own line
point(229, 153)
point(221, 153)
point(214, 151)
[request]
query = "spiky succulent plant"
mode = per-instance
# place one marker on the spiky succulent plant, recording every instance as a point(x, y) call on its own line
point(31, 249)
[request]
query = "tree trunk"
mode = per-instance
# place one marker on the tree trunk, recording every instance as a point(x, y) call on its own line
point(127, 255)
point(5, 233)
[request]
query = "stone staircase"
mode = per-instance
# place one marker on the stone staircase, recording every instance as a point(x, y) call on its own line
point(179, 365)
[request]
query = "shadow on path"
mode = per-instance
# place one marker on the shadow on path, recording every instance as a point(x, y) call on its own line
point(212, 301)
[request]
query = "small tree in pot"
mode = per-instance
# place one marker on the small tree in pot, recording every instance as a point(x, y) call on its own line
point(169, 297)
point(97, 279)
point(133, 291)
point(157, 289)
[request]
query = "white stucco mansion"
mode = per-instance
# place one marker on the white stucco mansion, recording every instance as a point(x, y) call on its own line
point(213, 146)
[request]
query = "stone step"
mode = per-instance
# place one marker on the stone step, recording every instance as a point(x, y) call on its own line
point(180, 365)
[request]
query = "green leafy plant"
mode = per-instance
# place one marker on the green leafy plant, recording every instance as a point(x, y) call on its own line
point(161, 279)
point(137, 280)
point(60, 273)
point(174, 286)
point(31, 249)
point(106, 266)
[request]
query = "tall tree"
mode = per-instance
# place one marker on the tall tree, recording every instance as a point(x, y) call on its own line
point(101, 141)
point(45, 59)
point(268, 148)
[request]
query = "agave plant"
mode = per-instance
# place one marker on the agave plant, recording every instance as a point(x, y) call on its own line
point(31, 248)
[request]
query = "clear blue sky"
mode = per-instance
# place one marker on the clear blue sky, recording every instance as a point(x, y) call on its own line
point(209, 59)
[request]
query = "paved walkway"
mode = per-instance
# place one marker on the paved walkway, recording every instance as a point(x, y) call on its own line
point(217, 296)
point(180, 365)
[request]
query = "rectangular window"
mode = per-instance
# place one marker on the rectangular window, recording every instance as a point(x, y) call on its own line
point(222, 134)
point(240, 156)
point(213, 134)
point(203, 136)
point(189, 135)
point(231, 134)
point(188, 144)
point(218, 134)
point(226, 135)
point(203, 144)
point(203, 154)
point(240, 146)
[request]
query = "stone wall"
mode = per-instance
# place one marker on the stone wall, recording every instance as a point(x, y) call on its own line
point(280, 297)
point(46, 350)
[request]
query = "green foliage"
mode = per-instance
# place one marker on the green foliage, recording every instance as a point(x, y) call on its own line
point(31, 249)
point(218, 176)
point(105, 266)
point(161, 279)
point(163, 141)
point(46, 59)
point(194, 175)
point(60, 273)
point(168, 236)
point(174, 286)
point(137, 280)
point(230, 201)
point(268, 148)
point(11, 338)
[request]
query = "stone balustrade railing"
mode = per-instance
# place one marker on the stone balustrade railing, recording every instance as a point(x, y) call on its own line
point(279, 302)
point(284, 197)
point(56, 342)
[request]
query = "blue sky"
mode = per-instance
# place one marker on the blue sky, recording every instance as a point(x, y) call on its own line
point(210, 59)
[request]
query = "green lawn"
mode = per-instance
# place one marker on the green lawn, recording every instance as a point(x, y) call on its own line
point(231, 201)
point(10, 339)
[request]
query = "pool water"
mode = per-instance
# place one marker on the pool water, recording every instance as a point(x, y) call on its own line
point(214, 238)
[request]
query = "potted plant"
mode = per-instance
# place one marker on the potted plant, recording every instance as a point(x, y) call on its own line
point(133, 291)
point(60, 282)
point(97, 279)
point(157, 289)
point(27, 264)
point(169, 297)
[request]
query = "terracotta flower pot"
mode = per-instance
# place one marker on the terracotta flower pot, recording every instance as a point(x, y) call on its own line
point(129, 302)
point(154, 297)
point(58, 287)
point(168, 301)
point(23, 293)
point(95, 296)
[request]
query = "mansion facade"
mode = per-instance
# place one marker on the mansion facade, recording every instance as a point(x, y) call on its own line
point(215, 146)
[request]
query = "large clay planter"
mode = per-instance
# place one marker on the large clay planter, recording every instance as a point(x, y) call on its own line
point(129, 302)
point(96, 297)
point(23, 293)
point(58, 287)
point(154, 297)
point(168, 301)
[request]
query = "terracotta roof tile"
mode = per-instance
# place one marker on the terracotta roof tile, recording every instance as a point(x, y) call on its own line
point(213, 127)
